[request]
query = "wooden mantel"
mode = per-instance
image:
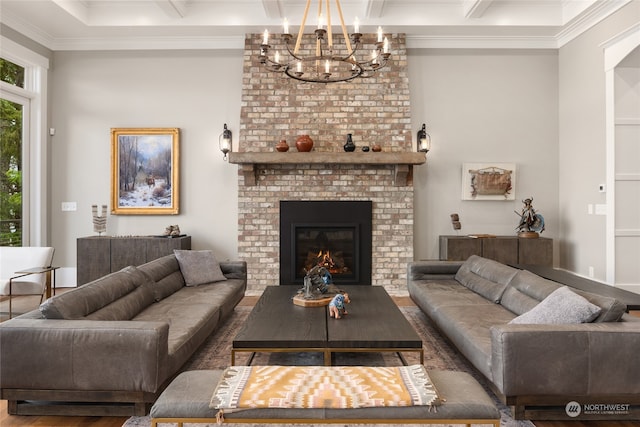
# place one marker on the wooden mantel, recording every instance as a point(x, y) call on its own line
point(403, 161)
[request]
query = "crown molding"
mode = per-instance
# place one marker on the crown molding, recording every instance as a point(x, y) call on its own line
point(598, 12)
point(459, 40)
point(480, 42)
point(150, 43)
point(27, 29)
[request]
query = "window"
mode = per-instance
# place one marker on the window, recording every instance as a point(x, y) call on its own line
point(10, 169)
point(23, 154)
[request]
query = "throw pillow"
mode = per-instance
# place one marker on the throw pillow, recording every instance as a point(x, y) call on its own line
point(199, 267)
point(561, 306)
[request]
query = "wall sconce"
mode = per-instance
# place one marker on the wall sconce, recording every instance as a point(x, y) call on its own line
point(423, 140)
point(224, 141)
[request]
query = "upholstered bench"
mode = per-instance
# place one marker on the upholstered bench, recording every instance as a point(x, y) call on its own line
point(187, 399)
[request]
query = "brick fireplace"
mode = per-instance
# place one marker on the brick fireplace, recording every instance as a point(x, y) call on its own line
point(375, 110)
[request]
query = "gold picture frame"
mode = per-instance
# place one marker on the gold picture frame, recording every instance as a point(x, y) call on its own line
point(145, 174)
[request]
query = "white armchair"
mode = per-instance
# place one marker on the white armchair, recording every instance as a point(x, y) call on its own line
point(25, 271)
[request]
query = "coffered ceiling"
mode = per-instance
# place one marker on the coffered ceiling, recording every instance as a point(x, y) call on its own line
point(206, 24)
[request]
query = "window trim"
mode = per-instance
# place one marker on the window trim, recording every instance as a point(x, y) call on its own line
point(35, 190)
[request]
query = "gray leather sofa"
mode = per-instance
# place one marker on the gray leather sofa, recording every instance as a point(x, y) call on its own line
point(111, 346)
point(532, 365)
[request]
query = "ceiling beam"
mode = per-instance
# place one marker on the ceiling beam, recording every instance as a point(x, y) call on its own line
point(173, 8)
point(77, 9)
point(273, 9)
point(373, 8)
point(475, 8)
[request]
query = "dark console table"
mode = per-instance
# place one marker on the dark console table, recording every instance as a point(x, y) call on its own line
point(631, 299)
point(504, 249)
point(98, 256)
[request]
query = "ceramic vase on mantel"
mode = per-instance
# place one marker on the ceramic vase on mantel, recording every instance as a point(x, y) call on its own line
point(304, 143)
point(349, 146)
point(282, 146)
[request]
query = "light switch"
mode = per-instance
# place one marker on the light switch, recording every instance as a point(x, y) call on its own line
point(69, 206)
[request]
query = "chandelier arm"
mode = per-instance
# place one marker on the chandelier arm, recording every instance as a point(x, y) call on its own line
point(301, 30)
point(273, 64)
point(344, 28)
point(293, 54)
point(372, 66)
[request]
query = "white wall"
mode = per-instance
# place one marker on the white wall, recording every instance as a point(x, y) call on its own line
point(196, 91)
point(505, 110)
point(484, 106)
point(582, 145)
point(538, 109)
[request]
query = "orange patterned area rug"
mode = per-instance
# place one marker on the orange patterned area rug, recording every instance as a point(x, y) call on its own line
point(215, 353)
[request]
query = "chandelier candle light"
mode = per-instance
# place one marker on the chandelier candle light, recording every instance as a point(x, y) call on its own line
point(326, 65)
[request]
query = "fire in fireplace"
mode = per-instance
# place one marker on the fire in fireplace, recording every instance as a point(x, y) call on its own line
point(332, 247)
point(332, 234)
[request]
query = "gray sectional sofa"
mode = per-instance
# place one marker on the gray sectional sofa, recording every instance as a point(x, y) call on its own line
point(111, 346)
point(536, 343)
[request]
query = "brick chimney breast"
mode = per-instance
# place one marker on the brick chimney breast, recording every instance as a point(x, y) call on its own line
point(375, 110)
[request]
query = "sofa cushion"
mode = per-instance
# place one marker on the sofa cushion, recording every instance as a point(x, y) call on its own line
point(82, 301)
point(199, 267)
point(526, 290)
point(562, 306)
point(486, 277)
point(126, 307)
point(612, 309)
point(165, 272)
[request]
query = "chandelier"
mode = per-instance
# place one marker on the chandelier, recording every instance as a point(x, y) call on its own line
point(325, 63)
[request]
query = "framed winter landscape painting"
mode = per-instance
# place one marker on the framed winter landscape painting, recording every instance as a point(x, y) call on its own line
point(144, 171)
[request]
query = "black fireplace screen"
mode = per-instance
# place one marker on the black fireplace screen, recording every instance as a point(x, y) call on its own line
point(332, 234)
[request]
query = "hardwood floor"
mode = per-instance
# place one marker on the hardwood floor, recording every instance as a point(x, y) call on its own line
point(7, 420)
point(49, 421)
point(587, 423)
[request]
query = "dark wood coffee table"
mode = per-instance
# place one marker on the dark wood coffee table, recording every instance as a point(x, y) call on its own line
point(374, 324)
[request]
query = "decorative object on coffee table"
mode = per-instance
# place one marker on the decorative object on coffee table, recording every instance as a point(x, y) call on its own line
point(304, 143)
point(337, 305)
point(99, 221)
point(531, 223)
point(318, 289)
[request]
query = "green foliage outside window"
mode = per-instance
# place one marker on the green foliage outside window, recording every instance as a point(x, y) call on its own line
point(11, 159)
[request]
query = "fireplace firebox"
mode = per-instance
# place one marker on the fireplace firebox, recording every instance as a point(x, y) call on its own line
point(332, 234)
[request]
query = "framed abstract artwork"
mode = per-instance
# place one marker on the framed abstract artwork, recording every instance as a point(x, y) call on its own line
point(145, 171)
point(488, 181)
